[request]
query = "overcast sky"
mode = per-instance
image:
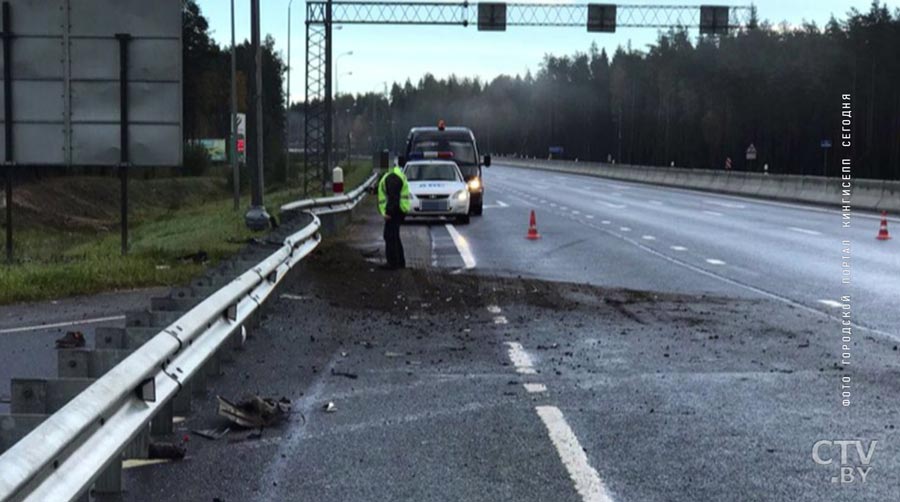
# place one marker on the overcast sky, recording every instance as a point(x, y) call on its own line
point(395, 53)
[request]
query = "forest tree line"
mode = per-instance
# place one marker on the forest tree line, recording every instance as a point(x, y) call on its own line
point(693, 103)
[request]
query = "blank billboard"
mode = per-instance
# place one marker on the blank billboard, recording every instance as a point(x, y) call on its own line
point(65, 82)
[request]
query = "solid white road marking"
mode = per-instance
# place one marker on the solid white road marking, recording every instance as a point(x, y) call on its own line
point(625, 229)
point(520, 359)
point(502, 204)
point(648, 238)
point(493, 309)
point(713, 261)
point(831, 303)
point(678, 248)
point(713, 213)
point(534, 388)
point(65, 324)
point(804, 231)
point(587, 482)
point(462, 245)
point(724, 204)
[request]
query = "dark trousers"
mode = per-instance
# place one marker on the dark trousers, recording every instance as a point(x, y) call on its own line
point(393, 247)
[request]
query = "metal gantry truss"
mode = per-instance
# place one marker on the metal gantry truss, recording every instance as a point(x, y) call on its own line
point(322, 15)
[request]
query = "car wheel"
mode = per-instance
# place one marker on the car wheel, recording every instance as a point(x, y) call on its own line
point(478, 209)
point(463, 219)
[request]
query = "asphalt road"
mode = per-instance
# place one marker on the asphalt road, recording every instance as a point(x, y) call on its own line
point(632, 235)
point(504, 369)
point(28, 331)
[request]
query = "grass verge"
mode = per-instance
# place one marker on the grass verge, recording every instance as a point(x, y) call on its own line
point(55, 261)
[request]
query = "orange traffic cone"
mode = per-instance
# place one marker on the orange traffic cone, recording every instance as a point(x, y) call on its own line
point(883, 234)
point(532, 228)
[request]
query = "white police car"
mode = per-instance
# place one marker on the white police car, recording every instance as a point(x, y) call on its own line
point(437, 188)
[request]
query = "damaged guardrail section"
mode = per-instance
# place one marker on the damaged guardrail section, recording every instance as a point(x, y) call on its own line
point(62, 457)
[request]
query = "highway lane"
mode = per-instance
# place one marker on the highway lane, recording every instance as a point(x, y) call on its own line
point(468, 386)
point(639, 236)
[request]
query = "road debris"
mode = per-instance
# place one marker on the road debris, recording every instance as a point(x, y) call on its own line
point(212, 434)
point(352, 376)
point(169, 451)
point(255, 412)
point(299, 298)
point(329, 407)
point(71, 340)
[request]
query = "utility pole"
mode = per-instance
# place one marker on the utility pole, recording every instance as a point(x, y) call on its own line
point(233, 148)
point(257, 219)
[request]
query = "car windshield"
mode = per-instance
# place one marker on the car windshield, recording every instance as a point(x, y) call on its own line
point(431, 172)
point(460, 144)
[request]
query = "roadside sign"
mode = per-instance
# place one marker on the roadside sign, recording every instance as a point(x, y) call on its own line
point(751, 152)
point(826, 143)
point(241, 136)
point(241, 124)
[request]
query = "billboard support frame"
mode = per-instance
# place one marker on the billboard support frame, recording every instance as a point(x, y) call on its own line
point(8, 129)
point(123, 39)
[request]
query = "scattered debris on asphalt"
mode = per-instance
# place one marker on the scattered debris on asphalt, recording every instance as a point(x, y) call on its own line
point(71, 340)
point(169, 451)
point(352, 376)
point(212, 434)
point(329, 407)
point(299, 298)
point(255, 412)
point(393, 354)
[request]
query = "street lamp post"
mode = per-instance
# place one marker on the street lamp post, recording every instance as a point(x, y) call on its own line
point(233, 147)
point(287, 112)
point(334, 143)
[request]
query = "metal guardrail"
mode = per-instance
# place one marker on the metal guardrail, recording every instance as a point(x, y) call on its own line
point(337, 203)
point(61, 458)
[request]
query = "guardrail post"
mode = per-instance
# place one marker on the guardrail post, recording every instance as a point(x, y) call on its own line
point(110, 481)
point(181, 403)
point(162, 422)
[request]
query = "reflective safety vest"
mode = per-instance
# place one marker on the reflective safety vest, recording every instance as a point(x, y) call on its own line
point(404, 192)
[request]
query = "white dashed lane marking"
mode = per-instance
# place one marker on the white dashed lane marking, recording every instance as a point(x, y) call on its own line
point(535, 388)
point(587, 481)
point(678, 248)
point(648, 238)
point(804, 231)
point(625, 229)
point(831, 303)
point(520, 359)
point(712, 213)
point(713, 261)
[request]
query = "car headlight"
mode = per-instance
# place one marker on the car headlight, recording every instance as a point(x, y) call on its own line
point(474, 184)
point(461, 195)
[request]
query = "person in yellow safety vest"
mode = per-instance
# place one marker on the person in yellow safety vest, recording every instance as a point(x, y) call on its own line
point(393, 204)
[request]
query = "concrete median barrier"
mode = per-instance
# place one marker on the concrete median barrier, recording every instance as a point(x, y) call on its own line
point(867, 194)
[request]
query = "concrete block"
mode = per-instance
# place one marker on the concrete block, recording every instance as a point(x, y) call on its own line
point(83, 363)
point(44, 396)
point(15, 426)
